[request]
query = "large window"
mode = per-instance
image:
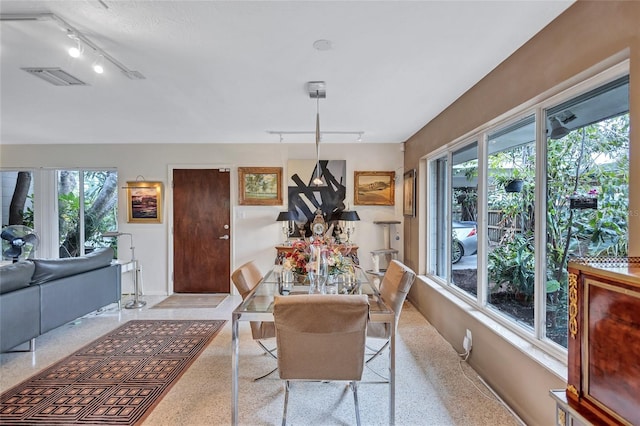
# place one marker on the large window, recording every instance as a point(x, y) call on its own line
point(86, 207)
point(587, 188)
point(554, 185)
point(87, 203)
point(511, 182)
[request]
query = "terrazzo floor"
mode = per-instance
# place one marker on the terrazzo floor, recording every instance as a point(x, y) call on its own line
point(432, 386)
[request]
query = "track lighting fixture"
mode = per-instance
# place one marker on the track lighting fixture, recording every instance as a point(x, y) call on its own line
point(98, 65)
point(75, 51)
point(82, 41)
point(558, 131)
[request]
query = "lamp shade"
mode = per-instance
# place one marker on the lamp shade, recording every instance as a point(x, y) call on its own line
point(282, 216)
point(349, 215)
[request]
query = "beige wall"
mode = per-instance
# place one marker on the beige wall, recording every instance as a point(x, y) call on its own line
point(587, 34)
point(254, 231)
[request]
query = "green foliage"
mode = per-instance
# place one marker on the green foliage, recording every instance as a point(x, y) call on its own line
point(512, 264)
point(100, 214)
point(594, 158)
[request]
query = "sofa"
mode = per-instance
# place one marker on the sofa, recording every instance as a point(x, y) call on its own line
point(39, 295)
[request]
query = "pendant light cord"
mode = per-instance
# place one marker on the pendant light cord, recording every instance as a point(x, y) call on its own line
point(317, 181)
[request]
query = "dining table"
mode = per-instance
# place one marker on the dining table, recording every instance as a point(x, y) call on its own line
point(258, 306)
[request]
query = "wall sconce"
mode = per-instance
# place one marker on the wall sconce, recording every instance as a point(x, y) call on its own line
point(287, 219)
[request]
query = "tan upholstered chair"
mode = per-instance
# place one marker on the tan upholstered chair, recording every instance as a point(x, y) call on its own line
point(394, 288)
point(321, 337)
point(245, 278)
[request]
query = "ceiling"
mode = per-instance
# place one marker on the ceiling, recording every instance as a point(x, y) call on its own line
point(231, 72)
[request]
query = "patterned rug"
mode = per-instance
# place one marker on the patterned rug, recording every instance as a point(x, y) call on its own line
point(177, 301)
point(115, 380)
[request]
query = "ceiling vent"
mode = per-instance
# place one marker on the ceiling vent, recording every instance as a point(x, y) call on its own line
point(55, 76)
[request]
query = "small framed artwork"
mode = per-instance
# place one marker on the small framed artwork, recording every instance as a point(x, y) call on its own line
point(260, 186)
point(374, 188)
point(409, 200)
point(144, 202)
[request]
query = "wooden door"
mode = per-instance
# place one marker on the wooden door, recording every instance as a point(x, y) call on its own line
point(201, 231)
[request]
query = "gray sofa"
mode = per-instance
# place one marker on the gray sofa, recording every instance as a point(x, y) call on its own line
point(41, 294)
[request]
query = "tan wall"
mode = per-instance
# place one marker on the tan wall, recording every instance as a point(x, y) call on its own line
point(587, 34)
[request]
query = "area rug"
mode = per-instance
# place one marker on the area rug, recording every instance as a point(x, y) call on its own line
point(115, 380)
point(177, 301)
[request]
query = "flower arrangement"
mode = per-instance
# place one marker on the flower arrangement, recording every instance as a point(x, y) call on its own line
point(298, 259)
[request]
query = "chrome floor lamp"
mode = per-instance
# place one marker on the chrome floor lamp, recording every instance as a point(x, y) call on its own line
point(136, 302)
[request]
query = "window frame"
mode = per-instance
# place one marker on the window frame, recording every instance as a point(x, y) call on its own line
point(536, 107)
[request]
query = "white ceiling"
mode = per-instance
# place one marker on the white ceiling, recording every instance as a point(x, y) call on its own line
point(228, 72)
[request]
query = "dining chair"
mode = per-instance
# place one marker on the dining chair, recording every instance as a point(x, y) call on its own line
point(245, 278)
point(321, 337)
point(394, 288)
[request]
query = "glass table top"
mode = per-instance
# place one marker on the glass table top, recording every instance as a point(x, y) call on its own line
point(260, 300)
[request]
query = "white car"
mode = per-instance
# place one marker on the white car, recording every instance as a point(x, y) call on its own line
point(465, 239)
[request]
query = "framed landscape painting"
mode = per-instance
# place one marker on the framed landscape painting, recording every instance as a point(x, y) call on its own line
point(144, 202)
point(374, 188)
point(260, 186)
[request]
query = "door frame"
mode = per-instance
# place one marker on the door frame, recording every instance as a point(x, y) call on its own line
point(169, 216)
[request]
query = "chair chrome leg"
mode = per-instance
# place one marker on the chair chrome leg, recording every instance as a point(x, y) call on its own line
point(286, 401)
point(267, 350)
point(379, 351)
point(266, 375)
point(354, 388)
point(374, 356)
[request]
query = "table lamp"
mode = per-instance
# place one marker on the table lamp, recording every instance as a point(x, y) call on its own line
point(287, 219)
point(347, 217)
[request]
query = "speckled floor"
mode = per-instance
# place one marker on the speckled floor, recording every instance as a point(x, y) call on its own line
point(432, 386)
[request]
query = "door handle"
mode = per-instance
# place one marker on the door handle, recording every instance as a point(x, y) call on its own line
point(224, 237)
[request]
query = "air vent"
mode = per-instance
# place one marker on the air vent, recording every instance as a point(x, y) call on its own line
point(55, 76)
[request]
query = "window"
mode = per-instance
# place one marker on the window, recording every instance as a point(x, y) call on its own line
point(587, 188)
point(439, 236)
point(510, 203)
point(17, 198)
point(85, 214)
point(464, 216)
point(554, 185)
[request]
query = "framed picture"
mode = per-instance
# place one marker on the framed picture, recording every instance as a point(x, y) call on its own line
point(409, 200)
point(144, 202)
point(260, 186)
point(374, 188)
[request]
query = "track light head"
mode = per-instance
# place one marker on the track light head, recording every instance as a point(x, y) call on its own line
point(97, 65)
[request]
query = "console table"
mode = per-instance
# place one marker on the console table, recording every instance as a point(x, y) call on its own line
point(347, 250)
point(604, 340)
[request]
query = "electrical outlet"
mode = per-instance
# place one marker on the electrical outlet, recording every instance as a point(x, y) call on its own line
point(467, 342)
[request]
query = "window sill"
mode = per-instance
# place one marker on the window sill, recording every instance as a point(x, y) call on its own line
point(529, 349)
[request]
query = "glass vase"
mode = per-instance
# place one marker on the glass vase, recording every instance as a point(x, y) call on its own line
point(318, 269)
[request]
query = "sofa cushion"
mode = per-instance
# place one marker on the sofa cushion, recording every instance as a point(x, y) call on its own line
point(15, 276)
point(52, 269)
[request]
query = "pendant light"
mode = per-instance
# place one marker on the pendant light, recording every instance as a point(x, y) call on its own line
point(317, 90)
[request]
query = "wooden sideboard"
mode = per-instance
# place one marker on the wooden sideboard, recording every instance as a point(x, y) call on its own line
point(349, 250)
point(604, 340)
